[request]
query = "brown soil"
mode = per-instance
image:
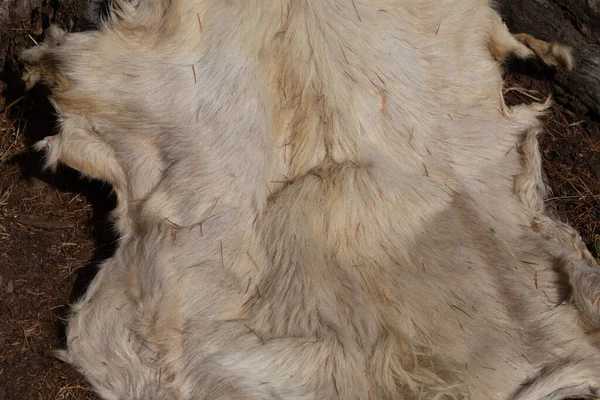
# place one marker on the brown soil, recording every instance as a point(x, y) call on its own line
point(570, 147)
point(54, 229)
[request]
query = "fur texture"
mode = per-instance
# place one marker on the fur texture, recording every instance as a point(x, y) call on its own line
point(318, 200)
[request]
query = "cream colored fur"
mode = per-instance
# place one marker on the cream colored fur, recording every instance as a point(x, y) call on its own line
point(318, 200)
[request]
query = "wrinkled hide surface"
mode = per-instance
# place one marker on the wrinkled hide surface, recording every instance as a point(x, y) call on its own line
point(318, 200)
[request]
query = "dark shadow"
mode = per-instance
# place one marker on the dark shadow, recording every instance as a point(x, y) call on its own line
point(531, 67)
point(41, 122)
point(538, 71)
point(97, 10)
point(10, 76)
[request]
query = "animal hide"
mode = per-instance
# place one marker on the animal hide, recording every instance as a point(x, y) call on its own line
point(318, 200)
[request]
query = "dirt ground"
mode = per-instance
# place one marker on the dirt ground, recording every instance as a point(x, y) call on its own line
point(54, 229)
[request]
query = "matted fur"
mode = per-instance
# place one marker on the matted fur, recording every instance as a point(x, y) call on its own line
point(318, 200)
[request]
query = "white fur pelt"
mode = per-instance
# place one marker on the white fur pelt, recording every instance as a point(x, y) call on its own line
point(319, 199)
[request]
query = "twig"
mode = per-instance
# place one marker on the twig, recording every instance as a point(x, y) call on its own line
point(199, 22)
point(356, 10)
